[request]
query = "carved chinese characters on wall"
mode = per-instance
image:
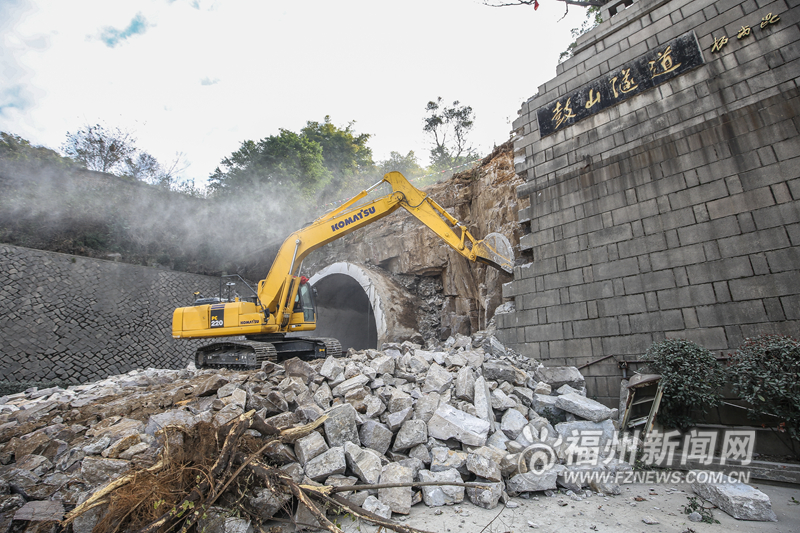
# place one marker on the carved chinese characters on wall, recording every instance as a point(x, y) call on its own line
point(649, 70)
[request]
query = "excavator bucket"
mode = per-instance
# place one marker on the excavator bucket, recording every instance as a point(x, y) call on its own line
point(495, 250)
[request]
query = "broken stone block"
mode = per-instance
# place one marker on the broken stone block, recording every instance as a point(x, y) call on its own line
point(486, 498)
point(465, 384)
point(739, 500)
point(310, 446)
point(420, 451)
point(399, 401)
point(583, 407)
point(340, 426)
point(383, 364)
point(566, 389)
point(331, 368)
point(497, 440)
point(326, 464)
point(418, 364)
point(605, 429)
point(483, 402)
point(437, 380)
point(411, 433)
point(298, 368)
point(174, 417)
point(210, 385)
point(426, 406)
point(543, 404)
point(444, 459)
point(374, 406)
point(436, 496)
point(501, 371)
point(399, 498)
point(41, 511)
point(532, 482)
point(513, 423)
point(267, 503)
point(501, 401)
point(323, 396)
point(605, 487)
point(540, 387)
point(374, 505)
point(376, 436)
point(95, 470)
point(364, 463)
point(395, 420)
point(484, 467)
point(450, 423)
point(350, 384)
point(525, 395)
point(556, 376)
point(414, 464)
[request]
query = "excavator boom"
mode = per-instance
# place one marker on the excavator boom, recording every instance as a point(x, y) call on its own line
point(276, 312)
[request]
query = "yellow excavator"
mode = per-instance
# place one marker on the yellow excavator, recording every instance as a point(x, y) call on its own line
point(284, 301)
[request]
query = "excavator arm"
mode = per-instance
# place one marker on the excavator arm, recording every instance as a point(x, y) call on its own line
point(274, 312)
point(279, 283)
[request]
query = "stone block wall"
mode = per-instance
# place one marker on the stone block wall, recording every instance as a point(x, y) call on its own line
point(674, 213)
point(78, 319)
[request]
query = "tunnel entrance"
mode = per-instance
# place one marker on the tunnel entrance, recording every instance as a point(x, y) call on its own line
point(344, 312)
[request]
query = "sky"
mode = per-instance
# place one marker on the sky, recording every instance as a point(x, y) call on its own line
point(198, 77)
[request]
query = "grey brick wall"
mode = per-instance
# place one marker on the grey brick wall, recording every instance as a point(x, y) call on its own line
point(675, 213)
point(79, 319)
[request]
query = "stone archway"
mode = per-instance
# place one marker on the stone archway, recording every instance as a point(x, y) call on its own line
point(362, 307)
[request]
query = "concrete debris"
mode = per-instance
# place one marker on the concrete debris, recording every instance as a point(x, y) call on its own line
point(463, 411)
point(739, 500)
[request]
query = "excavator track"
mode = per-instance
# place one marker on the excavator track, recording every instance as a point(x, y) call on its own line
point(250, 354)
point(332, 346)
point(235, 355)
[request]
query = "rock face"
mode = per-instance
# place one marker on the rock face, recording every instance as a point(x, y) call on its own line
point(739, 500)
point(455, 296)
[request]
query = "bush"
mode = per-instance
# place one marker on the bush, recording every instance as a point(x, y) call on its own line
point(765, 372)
point(691, 380)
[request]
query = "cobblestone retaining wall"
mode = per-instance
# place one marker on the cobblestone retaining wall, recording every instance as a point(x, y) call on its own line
point(79, 319)
point(672, 213)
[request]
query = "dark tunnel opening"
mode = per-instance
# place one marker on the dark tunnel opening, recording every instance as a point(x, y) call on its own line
point(345, 313)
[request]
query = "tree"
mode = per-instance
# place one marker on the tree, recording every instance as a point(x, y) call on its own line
point(287, 159)
point(15, 148)
point(407, 165)
point(99, 149)
point(449, 127)
point(343, 151)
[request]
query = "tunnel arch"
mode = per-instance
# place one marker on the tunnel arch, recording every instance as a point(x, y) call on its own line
point(363, 307)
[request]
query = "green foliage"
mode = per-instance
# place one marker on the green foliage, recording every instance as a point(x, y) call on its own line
point(449, 128)
point(695, 506)
point(344, 152)
point(691, 379)
point(407, 165)
point(15, 148)
point(593, 18)
point(321, 155)
point(765, 372)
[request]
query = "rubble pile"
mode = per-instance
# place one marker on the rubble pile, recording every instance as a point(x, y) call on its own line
point(463, 420)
